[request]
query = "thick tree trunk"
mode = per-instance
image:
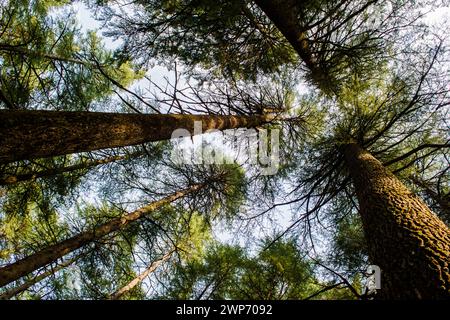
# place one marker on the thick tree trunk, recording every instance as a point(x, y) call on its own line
point(26, 134)
point(15, 291)
point(285, 16)
point(133, 283)
point(51, 253)
point(405, 239)
point(12, 179)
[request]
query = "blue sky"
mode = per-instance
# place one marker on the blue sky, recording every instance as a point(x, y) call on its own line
point(435, 18)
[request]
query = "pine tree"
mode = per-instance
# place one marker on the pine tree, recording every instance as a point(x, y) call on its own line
point(26, 135)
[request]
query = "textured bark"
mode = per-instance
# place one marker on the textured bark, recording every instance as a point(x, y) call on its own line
point(26, 134)
point(133, 283)
point(15, 291)
point(51, 253)
point(405, 238)
point(12, 179)
point(285, 16)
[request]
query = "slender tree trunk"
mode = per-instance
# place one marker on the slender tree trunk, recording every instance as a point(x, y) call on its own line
point(12, 179)
point(29, 134)
point(285, 16)
point(30, 53)
point(15, 291)
point(133, 283)
point(405, 238)
point(18, 269)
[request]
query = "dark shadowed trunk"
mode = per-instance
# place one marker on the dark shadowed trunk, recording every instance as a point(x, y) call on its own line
point(29, 134)
point(285, 16)
point(133, 283)
point(51, 253)
point(405, 238)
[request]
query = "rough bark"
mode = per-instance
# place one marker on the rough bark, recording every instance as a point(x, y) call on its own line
point(133, 283)
point(12, 179)
point(29, 134)
point(18, 269)
point(405, 238)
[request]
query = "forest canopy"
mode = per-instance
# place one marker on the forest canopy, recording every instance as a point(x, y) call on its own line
point(249, 150)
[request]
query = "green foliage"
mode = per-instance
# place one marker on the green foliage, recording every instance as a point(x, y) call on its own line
point(47, 63)
point(279, 272)
point(22, 235)
point(225, 37)
point(232, 190)
point(236, 39)
point(350, 249)
point(396, 109)
point(228, 272)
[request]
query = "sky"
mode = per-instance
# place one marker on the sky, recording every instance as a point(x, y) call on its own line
point(435, 18)
point(158, 74)
point(87, 22)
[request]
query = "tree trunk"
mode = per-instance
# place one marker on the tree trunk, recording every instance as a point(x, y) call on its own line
point(285, 16)
point(26, 134)
point(119, 293)
point(12, 179)
point(405, 238)
point(15, 291)
point(30, 53)
point(51, 253)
